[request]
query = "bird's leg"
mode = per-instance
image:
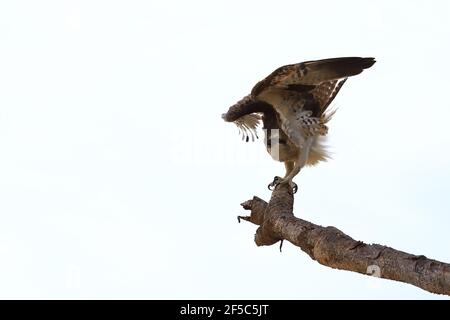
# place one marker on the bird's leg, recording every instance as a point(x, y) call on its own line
point(290, 165)
point(299, 164)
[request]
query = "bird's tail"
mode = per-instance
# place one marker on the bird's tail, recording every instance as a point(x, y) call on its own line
point(319, 151)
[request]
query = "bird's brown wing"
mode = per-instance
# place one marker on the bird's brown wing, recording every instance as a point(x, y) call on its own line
point(302, 76)
point(324, 93)
point(246, 115)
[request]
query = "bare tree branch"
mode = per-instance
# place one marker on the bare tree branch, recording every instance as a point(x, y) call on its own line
point(333, 248)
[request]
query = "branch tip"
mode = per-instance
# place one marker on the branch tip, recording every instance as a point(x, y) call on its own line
point(247, 205)
point(246, 218)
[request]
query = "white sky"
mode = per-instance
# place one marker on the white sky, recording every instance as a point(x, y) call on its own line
point(119, 179)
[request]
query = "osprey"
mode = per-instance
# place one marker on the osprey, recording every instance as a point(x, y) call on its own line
point(292, 104)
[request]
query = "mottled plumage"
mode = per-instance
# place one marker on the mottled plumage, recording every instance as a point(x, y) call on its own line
point(292, 104)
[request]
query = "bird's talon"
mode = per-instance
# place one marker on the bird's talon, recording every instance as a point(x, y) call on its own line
point(274, 183)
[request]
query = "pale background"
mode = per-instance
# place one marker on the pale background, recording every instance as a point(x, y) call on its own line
point(119, 179)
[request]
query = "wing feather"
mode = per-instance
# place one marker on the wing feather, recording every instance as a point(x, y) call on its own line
point(246, 115)
point(325, 93)
point(313, 73)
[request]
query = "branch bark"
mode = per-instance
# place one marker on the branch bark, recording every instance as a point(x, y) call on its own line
point(331, 247)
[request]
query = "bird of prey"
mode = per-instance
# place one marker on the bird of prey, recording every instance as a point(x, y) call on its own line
point(292, 105)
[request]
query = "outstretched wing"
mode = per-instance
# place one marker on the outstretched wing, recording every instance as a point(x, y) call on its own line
point(294, 92)
point(306, 75)
point(247, 115)
point(301, 93)
point(315, 83)
point(321, 96)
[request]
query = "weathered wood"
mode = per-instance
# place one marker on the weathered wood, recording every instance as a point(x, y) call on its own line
point(333, 248)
